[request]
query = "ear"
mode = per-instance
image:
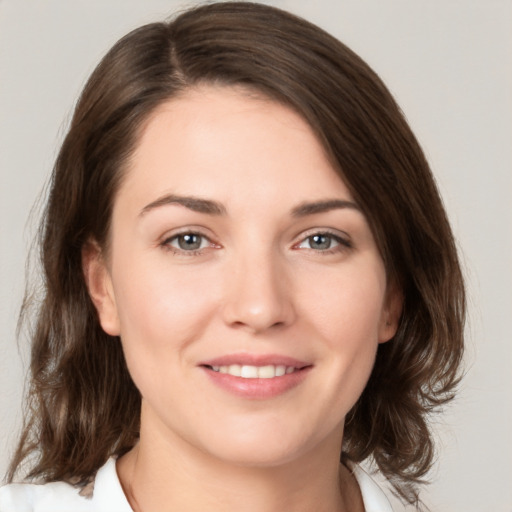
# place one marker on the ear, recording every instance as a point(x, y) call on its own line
point(391, 313)
point(99, 284)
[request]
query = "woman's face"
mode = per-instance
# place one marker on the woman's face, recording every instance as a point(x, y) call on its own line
point(244, 281)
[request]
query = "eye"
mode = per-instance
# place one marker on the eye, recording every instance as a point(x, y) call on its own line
point(187, 242)
point(324, 242)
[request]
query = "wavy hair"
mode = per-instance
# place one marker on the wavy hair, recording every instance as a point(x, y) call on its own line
point(82, 404)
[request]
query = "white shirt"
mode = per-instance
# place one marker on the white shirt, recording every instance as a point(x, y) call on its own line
point(108, 495)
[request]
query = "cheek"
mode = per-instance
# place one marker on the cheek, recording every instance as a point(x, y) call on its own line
point(160, 308)
point(350, 331)
point(347, 306)
point(347, 316)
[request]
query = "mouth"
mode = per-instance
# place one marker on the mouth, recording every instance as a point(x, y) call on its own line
point(256, 376)
point(245, 371)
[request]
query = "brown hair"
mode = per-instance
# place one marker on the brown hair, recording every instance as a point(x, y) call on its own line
point(83, 405)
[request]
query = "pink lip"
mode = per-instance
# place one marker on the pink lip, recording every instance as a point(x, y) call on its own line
point(255, 360)
point(256, 389)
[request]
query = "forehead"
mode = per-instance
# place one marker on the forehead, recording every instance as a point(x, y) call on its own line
point(229, 144)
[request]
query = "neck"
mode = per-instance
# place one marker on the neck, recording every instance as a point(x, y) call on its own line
point(163, 476)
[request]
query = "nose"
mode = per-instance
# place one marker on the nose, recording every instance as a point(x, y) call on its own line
point(259, 294)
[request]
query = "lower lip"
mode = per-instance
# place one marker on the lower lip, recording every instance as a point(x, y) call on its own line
point(257, 389)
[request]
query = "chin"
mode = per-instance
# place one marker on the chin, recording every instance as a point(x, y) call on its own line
point(258, 456)
point(264, 447)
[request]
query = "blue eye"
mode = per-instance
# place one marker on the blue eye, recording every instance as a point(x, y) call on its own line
point(188, 242)
point(323, 242)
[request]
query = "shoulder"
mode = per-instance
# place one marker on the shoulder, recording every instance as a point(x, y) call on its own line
point(373, 496)
point(55, 497)
point(106, 496)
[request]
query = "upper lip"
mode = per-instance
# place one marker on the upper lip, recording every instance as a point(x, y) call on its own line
point(255, 360)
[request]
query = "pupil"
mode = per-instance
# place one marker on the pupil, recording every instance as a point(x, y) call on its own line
point(189, 242)
point(320, 242)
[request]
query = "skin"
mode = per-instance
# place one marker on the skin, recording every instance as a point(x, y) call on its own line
point(258, 284)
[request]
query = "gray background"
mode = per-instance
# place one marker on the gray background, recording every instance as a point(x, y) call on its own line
point(448, 62)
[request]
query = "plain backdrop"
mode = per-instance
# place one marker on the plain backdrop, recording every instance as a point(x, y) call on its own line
point(449, 64)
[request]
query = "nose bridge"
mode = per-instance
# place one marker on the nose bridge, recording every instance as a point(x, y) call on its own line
point(258, 294)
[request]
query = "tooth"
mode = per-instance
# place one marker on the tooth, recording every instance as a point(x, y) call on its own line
point(280, 370)
point(254, 372)
point(249, 372)
point(234, 370)
point(266, 372)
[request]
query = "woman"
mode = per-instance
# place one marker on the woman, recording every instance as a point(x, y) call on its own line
point(249, 275)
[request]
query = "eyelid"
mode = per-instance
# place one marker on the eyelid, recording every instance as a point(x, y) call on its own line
point(337, 233)
point(203, 240)
point(341, 237)
point(165, 240)
point(185, 230)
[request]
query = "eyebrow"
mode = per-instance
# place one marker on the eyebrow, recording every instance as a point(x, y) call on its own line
point(195, 204)
point(326, 205)
point(210, 207)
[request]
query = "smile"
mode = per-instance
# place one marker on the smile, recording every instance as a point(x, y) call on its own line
point(256, 377)
point(255, 372)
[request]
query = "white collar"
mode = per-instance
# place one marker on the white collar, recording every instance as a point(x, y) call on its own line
point(109, 494)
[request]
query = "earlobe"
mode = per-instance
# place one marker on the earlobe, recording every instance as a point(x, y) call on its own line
point(99, 284)
point(391, 314)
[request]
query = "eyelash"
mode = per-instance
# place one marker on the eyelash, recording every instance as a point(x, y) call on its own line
point(342, 243)
point(166, 244)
